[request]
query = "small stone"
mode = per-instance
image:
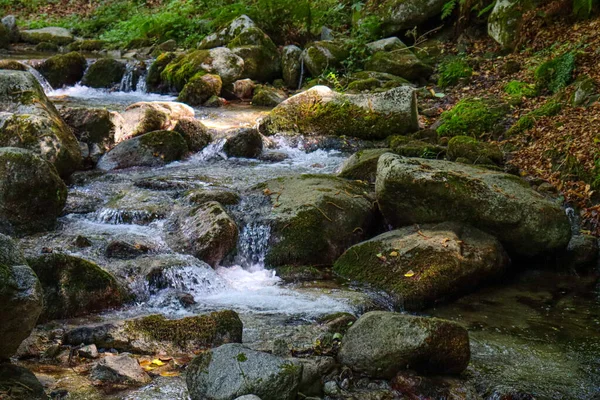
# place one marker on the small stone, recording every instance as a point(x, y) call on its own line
point(186, 299)
point(331, 388)
point(82, 241)
point(119, 369)
point(90, 351)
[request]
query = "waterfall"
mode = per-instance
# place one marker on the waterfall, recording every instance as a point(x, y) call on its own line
point(127, 80)
point(301, 70)
point(40, 78)
point(134, 79)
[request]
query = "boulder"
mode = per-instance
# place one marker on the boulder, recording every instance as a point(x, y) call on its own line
point(362, 165)
point(372, 80)
point(232, 370)
point(29, 120)
point(243, 89)
point(435, 387)
point(401, 63)
point(152, 149)
point(425, 264)
point(244, 143)
point(46, 47)
point(267, 96)
point(58, 36)
point(21, 383)
point(412, 190)
point(291, 66)
point(223, 196)
point(32, 195)
point(322, 112)
point(10, 23)
point(145, 116)
point(74, 286)
point(396, 16)
point(125, 250)
point(323, 55)
point(387, 44)
point(104, 73)
point(380, 344)
point(13, 65)
point(119, 369)
point(90, 352)
point(206, 232)
point(194, 133)
point(63, 69)
point(506, 20)
point(262, 61)
point(4, 38)
point(87, 45)
point(21, 298)
point(582, 253)
point(154, 82)
point(470, 150)
point(238, 26)
point(314, 218)
point(200, 88)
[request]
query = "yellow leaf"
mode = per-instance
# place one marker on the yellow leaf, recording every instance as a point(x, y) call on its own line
point(145, 363)
point(394, 254)
point(169, 373)
point(409, 274)
point(157, 362)
point(267, 192)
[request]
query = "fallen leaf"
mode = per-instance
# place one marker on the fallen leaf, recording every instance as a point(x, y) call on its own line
point(170, 373)
point(394, 254)
point(409, 274)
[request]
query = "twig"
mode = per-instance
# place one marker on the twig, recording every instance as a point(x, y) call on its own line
point(321, 211)
point(335, 205)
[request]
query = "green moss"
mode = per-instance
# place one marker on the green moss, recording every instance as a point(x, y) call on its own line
point(200, 88)
point(154, 81)
point(557, 73)
point(64, 69)
point(468, 148)
point(12, 65)
point(364, 85)
point(46, 47)
point(519, 89)
point(87, 45)
point(549, 108)
point(182, 68)
point(473, 117)
point(168, 145)
point(104, 73)
point(408, 147)
point(452, 71)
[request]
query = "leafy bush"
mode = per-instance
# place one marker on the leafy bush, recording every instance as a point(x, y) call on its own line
point(452, 71)
point(557, 73)
point(472, 117)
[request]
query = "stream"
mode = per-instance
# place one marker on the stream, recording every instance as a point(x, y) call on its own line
point(536, 331)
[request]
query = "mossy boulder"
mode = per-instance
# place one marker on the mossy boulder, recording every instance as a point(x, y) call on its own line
point(374, 81)
point(220, 195)
point(21, 383)
point(291, 66)
point(32, 195)
point(411, 190)
point(200, 88)
point(148, 116)
point(205, 231)
point(380, 344)
point(586, 92)
point(20, 297)
point(322, 112)
point(56, 35)
point(262, 61)
point(233, 370)
point(244, 143)
point(426, 264)
point(154, 82)
point(31, 121)
point(556, 73)
point(387, 44)
point(73, 286)
point(506, 21)
point(87, 45)
point(236, 27)
point(46, 47)
point(266, 96)
point(105, 73)
point(4, 37)
point(401, 63)
point(396, 16)
point(474, 151)
point(10, 23)
point(413, 147)
point(473, 117)
point(314, 218)
point(362, 165)
point(12, 65)
point(323, 55)
point(194, 133)
point(152, 149)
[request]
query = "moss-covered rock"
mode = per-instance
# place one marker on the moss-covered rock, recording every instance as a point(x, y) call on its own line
point(425, 264)
point(105, 73)
point(291, 66)
point(380, 344)
point(149, 150)
point(63, 69)
point(266, 96)
point(46, 47)
point(452, 71)
point(323, 112)
point(469, 148)
point(87, 45)
point(401, 63)
point(396, 16)
point(31, 121)
point(32, 194)
point(314, 218)
point(244, 142)
point(586, 92)
point(206, 232)
point(194, 133)
point(200, 88)
point(20, 298)
point(374, 81)
point(473, 117)
point(556, 73)
point(236, 27)
point(10, 23)
point(143, 117)
point(262, 61)
point(154, 82)
point(58, 36)
point(414, 147)
point(411, 190)
point(222, 196)
point(323, 55)
point(362, 165)
point(506, 21)
point(73, 286)
point(12, 65)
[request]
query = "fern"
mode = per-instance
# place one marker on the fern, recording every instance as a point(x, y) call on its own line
point(582, 8)
point(448, 8)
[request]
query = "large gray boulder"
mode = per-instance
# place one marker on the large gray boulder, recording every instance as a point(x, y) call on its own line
point(415, 191)
point(21, 383)
point(323, 55)
point(506, 20)
point(232, 370)
point(402, 63)
point(262, 61)
point(63, 69)
point(56, 35)
point(362, 165)
point(400, 15)
point(120, 369)
point(380, 344)
point(148, 116)
point(105, 73)
point(238, 26)
point(10, 23)
point(400, 262)
point(20, 298)
point(32, 195)
point(291, 65)
point(29, 120)
point(320, 111)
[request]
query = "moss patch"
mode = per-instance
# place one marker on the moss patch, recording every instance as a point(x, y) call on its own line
point(472, 117)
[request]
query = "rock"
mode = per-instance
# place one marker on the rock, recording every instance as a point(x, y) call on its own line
point(585, 93)
point(119, 369)
point(371, 80)
point(152, 149)
point(362, 165)
point(313, 372)
point(223, 196)
point(29, 120)
point(380, 344)
point(314, 218)
point(243, 89)
point(90, 351)
point(408, 383)
point(239, 25)
point(400, 262)
point(143, 117)
point(248, 397)
point(87, 45)
point(503, 205)
point(505, 21)
point(4, 38)
point(32, 195)
point(194, 133)
point(20, 383)
point(58, 36)
point(218, 61)
point(10, 23)
point(124, 250)
point(46, 47)
point(244, 143)
point(337, 322)
point(206, 232)
point(200, 88)
point(168, 45)
point(291, 66)
point(399, 15)
point(63, 69)
point(582, 253)
point(387, 44)
point(154, 82)
point(401, 63)
point(331, 388)
point(468, 148)
point(261, 57)
point(105, 73)
point(73, 286)
point(20, 298)
point(273, 156)
point(215, 102)
point(233, 370)
point(266, 96)
point(12, 65)
point(477, 117)
point(324, 54)
point(365, 116)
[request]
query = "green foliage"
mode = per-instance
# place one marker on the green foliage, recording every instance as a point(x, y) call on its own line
point(472, 117)
point(452, 71)
point(557, 73)
point(520, 89)
point(583, 8)
point(527, 121)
